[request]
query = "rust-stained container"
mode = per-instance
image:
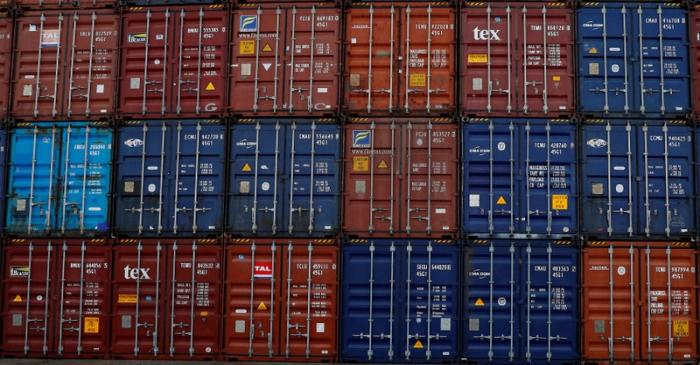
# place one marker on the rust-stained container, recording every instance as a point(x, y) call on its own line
point(281, 300)
point(166, 299)
point(64, 4)
point(6, 31)
point(400, 58)
point(285, 59)
point(639, 302)
point(173, 61)
point(401, 177)
point(65, 65)
point(56, 298)
point(517, 59)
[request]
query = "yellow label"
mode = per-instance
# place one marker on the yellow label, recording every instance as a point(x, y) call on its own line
point(560, 202)
point(210, 87)
point(501, 200)
point(126, 298)
point(262, 306)
point(556, 78)
point(680, 328)
point(477, 58)
point(18, 299)
point(91, 325)
point(418, 345)
point(267, 48)
point(382, 165)
point(246, 47)
point(593, 50)
point(360, 163)
point(416, 80)
point(246, 168)
point(204, 314)
point(479, 302)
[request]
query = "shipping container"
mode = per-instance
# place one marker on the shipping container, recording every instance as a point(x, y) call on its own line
point(166, 299)
point(401, 177)
point(694, 20)
point(400, 301)
point(170, 177)
point(281, 300)
point(519, 177)
point(59, 179)
point(518, 59)
point(527, 315)
point(640, 186)
point(173, 62)
point(170, 2)
point(639, 303)
point(400, 58)
point(65, 65)
point(621, 68)
point(284, 177)
point(56, 298)
point(3, 176)
point(285, 59)
point(6, 39)
point(63, 4)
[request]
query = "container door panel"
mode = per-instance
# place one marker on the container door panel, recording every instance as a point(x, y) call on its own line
point(6, 51)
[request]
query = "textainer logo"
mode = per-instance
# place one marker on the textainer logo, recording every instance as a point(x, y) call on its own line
point(249, 23)
point(136, 273)
point(136, 37)
point(361, 138)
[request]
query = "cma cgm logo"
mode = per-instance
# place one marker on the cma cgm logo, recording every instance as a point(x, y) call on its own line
point(486, 34)
point(249, 23)
point(133, 142)
point(361, 139)
point(136, 273)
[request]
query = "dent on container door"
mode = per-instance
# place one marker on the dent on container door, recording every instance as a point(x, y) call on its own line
point(400, 301)
point(65, 65)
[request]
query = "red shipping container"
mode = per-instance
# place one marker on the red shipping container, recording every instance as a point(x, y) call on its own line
point(517, 59)
point(284, 59)
point(6, 32)
point(65, 65)
point(56, 298)
point(694, 19)
point(394, 64)
point(639, 302)
point(64, 4)
point(281, 300)
point(166, 299)
point(401, 177)
point(174, 62)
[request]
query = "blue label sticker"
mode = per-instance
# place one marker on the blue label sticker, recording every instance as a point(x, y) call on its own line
point(249, 23)
point(361, 138)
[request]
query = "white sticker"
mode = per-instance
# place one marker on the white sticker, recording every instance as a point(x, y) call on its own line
point(207, 349)
point(134, 83)
point(502, 301)
point(477, 84)
point(159, 37)
point(156, 61)
point(440, 211)
point(320, 327)
point(240, 326)
point(241, 311)
point(501, 146)
point(39, 297)
point(266, 66)
point(445, 324)
point(32, 28)
point(322, 90)
point(245, 69)
point(614, 49)
point(353, 40)
point(100, 88)
point(621, 270)
point(419, 141)
point(152, 168)
point(619, 168)
point(27, 90)
point(266, 186)
point(615, 68)
point(151, 188)
point(619, 188)
point(474, 201)
point(94, 209)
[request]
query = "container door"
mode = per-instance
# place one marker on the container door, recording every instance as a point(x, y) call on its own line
point(141, 179)
point(194, 287)
point(28, 310)
point(87, 172)
point(6, 33)
point(311, 192)
point(429, 331)
point(669, 293)
point(309, 301)
point(83, 282)
point(137, 300)
point(33, 177)
point(371, 306)
point(3, 168)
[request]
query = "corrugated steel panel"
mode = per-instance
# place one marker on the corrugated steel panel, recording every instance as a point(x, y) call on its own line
point(519, 177)
point(65, 65)
point(694, 20)
point(394, 63)
point(517, 59)
point(173, 62)
point(170, 177)
point(621, 70)
point(6, 33)
point(521, 302)
point(401, 177)
point(63, 4)
point(285, 59)
point(281, 300)
point(639, 302)
point(50, 190)
point(637, 179)
point(400, 301)
point(284, 177)
point(3, 177)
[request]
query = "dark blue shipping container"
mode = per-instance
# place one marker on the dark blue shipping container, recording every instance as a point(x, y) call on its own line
point(59, 178)
point(621, 68)
point(400, 301)
point(521, 302)
point(519, 177)
point(170, 177)
point(285, 177)
point(638, 180)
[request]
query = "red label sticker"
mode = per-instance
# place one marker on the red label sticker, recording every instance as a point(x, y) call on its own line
point(263, 269)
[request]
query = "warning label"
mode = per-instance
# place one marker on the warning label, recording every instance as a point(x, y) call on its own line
point(360, 163)
point(477, 58)
point(18, 299)
point(262, 306)
point(479, 302)
point(680, 328)
point(126, 299)
point(560, 202)
point(501, 200)
point(267, 48)
point(246, 168)
point(246, 47)
point(91, 325)
point(418, 345)
point(210, 87)
point(416, 80)
point(382, 165)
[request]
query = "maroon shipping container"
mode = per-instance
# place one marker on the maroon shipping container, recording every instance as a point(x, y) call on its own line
point(166, 299)
point(6, 32)
point(284, 59)
point(401, 177)
point(174, 61)
point(517, 59)
point(63, 4)
point(281, 300)
point(394, 64)
point(639, 302)
point(65, 65)
point(694, 19)
point(56, 298)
